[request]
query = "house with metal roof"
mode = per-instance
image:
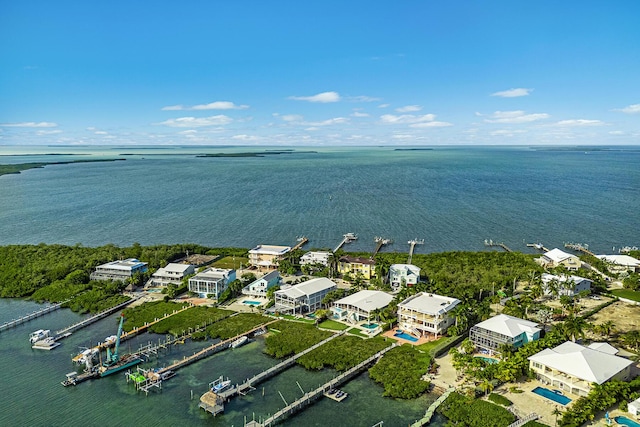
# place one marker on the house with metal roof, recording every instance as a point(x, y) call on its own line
point(564, 285)
point(119, 270)
point(302, 298)
point(259, 287)
point(212, 282)
point(172, 273)
point(621, 263)
point(360, 306)
point(426, 314)
point(557, 258)
point(314, 257)
point(403, 275)
point(574, 368)
point(490, 335)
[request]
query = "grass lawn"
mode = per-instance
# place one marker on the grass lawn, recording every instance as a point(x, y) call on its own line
point(229, 262)
point(296, 319)
point(426, 347)
point(333, 325)
point(627, 293)
point(357, 332)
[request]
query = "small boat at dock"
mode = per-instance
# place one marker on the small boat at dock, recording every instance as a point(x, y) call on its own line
point(48, 343)
point(239, 342)
point(39, 335)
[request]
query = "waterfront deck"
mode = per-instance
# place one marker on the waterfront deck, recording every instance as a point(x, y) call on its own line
point(30, 316)
point(347, 238)
point(63, 333)
point(432, 409)
point(491, 243)
point(412, 245)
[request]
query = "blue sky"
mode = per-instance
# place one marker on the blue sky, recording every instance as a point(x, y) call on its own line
point(325, 73)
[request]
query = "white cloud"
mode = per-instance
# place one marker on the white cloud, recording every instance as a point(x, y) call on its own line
point(383, 105)
point(579, 122)
point(363, 98)
point(403, 136)
point(185, 122)
point(409, 109)
point(515, 117)
point(292, 118)
point(328, 122)
point(630, 109)
point(616, 132)
point(217, 105)
point(507, 132)
point(30, 125)
point(430, 125)
point(101, 132)
point(406, 118)
point(323, 97)
point(513, 93)
point(188, 132)
point(245, 137)
point(312, 128)
point(48, 132)
point(359, 114)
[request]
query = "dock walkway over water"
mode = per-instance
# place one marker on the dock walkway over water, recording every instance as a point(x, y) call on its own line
point(346, 238)
point(311, 396)
point(63, 333)
point(580, 248)
point(491, 243)
point(301, 242)
point(380, 242)
point(432, 409)
point(412, 246)
point(30, 316)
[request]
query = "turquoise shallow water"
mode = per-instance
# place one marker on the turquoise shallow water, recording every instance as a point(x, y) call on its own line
point(34, 396)
point(454, 198)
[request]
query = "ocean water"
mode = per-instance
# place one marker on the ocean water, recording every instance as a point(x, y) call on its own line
point(453, 198)
point(34, 396)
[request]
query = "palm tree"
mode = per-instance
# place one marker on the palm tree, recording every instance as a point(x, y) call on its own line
point(607, 328)
point(556, 411)
point(632, 339)
point(486, 386)
point(575, 326)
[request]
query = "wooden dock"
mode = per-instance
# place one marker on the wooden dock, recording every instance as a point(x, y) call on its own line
point(432, 409)
point(301, 242)
point(579, 247)
point(63, 333)
point(491, 243)
point(380, 242)
point(538, 246)
point(312, 396)
point(412, 245)
point(30, 316)
point(346, 238)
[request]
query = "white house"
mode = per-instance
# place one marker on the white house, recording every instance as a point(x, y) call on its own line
point(425, 313)
point(403, 274)
point(566, 285)
point(265, 257)
point(575, 368)
point(211, 282)
point(171, 273)
point(311, 258)
point(259, 287)
point(503, 329)
point(359, 306)
point(119, 270)
point(634, 408)
point(621, 263)
point(303, 298)
point(557, 258)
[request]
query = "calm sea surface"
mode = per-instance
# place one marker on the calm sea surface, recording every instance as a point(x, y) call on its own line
point(453, 198)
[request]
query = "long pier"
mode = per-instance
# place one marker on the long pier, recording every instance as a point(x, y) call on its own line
point(432, 409)
point(580, 248)
point(301, 242)
point(492, 243)
point(311, 396)
point(380, 243)
point(249, 383)
point(132, 333)
point(219, 346)
point(538, 246)
point(31, 316)
point(412, 245)
point(63, 333)
point(346, 238)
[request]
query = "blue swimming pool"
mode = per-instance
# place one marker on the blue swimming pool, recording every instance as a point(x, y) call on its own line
point(405, 336)
point(370, 325)
point(626, 421)
point(551, 395)
point(488, 359)
point(251, 302)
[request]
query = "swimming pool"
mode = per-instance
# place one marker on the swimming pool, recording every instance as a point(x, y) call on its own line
point(626, 421)
point(251, 302)
point(405, 336)
point(488, 359)
point(370, 325)
point(551, 395)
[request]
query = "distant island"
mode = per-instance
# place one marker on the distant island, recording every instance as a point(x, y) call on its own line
point(17, 168)
point(256, 153)
point(413, 149)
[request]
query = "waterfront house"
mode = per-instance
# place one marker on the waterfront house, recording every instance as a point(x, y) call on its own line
point(360, 306)
point(564, 285)
point(311, 258)
point(354, 265)
point(119, 270)
point(302, 298)
point(621, 263)
point(490, 335)
point(557, 258)
point(259, 287)
point(425, 314)
point(634, 408)
point(574, 368)
point(172, 273)
point(266, 257)
point(403, 275)
point(212, 282)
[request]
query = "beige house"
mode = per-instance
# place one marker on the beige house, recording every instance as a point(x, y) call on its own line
point(426, 314)
point(557, 258)
point(353, 266)
point(621, 263)
point(266, 257)
point(574, 368)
